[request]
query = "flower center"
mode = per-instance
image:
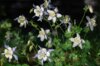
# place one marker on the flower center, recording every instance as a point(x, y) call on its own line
point(21, 19)
point(42, 55)
point(8, 53)
point(42, 32)
point(77, 40)
point(52, 14)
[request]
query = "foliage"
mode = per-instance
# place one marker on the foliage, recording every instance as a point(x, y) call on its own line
point(55, 39)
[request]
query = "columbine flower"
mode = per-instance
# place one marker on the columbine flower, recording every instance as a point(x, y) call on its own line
point(9, 53)
point(43, 55)
point(43, 34)
point(91, 22)
point(39, 12)
point(53, 15)
point(22, 20)
point(66, 20)
point(77, 41)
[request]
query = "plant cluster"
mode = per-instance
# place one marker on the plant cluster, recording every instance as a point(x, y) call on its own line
point(59, 41)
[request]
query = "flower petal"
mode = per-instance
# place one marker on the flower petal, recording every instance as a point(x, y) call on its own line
point(54, 19)
point(15, 56)
point(59, 15)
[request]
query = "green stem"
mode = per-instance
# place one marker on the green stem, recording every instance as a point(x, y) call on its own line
point(35, 26)
point(60, 27)
point(85, 35)
point(82, 17)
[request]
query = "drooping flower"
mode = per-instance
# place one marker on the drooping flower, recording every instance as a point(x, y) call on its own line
point(43, 55)
point(47, 4)
point(43, 34)
point(69, 27)
point(53, 15)
point(65, 20)
point(9, 53)
point(39, 10)
point(22, 20)
point(90, 8)
point(91, 22)
point(77, 41)
point(90, 4)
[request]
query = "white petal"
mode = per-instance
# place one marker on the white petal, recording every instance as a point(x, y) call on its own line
point(50, 50)
point(50, 18)
point(71, 39)
point(42, 38)
point(9, 60)
point(88, 18)
point(75, 44)
point(59, 15)
point(15, 56)
point(42, 9)
point(35, 56)
point(45, 58)
point(78, 35)
point(48, 54)
point(49, 11)
point(83, 41)
point(16, 19)
point(54, 19)
point(49, 59)
point(91, 27)
point(45, 37)
point(56, 10)
point(42, 62)
point(14, 49)
point(47, 31)
point(6, 46)
point(80, 45)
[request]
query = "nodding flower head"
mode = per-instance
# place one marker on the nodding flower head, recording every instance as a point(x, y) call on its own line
point(91, 22)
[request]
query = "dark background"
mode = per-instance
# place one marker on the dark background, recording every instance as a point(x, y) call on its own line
point(13, 8)
point(10, 9)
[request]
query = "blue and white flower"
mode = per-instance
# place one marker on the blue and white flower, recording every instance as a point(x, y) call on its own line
point(9, 53)
point(39, 11)
point(43, 34)
point(77, 41)
point(22, 20)
point(91, 22)
point(53, 15)
point(43, 55)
